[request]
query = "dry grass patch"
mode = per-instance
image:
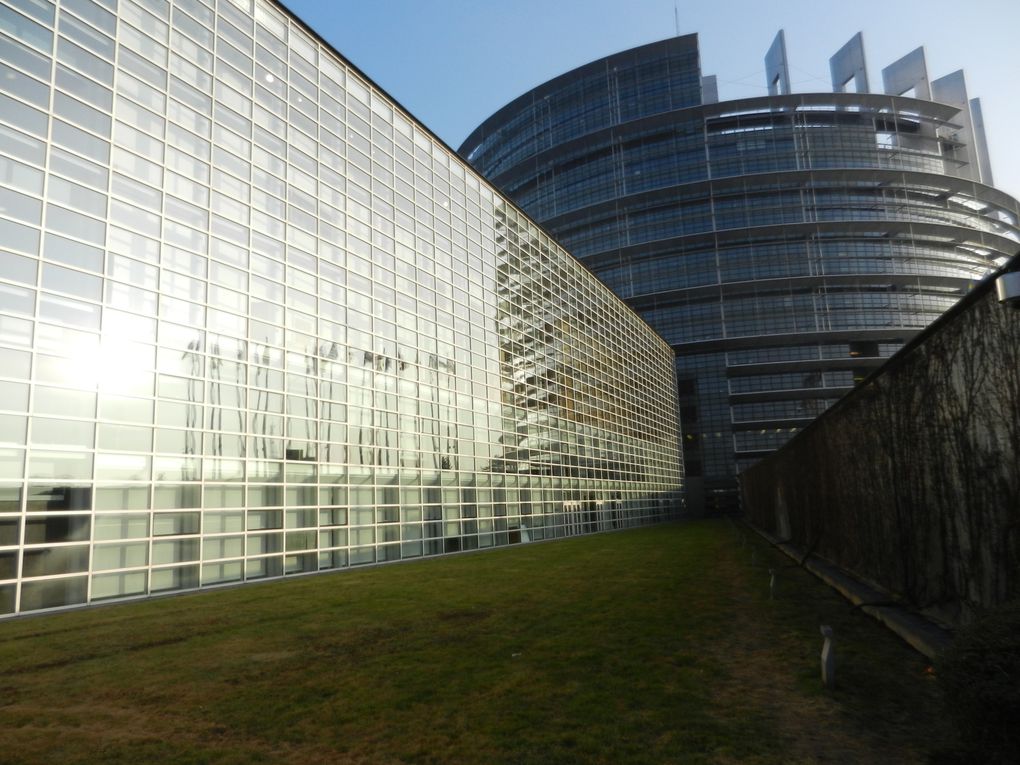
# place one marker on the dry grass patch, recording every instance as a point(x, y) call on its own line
point(648, 646)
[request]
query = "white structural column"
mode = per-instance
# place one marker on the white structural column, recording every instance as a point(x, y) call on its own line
point(777, 68)
point(981, 142)
point(962, 159)
point(848, 64)
point(709, 89)
point(908, 73)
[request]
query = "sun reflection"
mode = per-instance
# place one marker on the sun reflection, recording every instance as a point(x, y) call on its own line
point(114, 365)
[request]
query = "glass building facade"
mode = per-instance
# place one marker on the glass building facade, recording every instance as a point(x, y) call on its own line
point(257, 321)
point(783, 245)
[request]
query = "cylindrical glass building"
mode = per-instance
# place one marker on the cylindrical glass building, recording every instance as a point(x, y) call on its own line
point(783, 245)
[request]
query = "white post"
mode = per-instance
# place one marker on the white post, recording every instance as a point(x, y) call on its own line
point(828, 658)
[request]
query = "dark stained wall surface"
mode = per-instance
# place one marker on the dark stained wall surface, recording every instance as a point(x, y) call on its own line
point(912, 481)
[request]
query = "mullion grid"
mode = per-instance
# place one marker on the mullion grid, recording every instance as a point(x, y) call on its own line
point(459, 221)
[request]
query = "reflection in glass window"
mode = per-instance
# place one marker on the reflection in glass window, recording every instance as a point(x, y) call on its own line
point(21, 28)
point(253, 371)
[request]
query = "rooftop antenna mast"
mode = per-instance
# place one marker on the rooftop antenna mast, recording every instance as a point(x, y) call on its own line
point(676, 16)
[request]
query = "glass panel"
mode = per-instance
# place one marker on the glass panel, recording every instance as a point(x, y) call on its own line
point(69, 222)
point(77, 196)
point(8, 560)
point(84, 61)
point(14, 332)
point(182, 578)
point(93, 14)
point(180, 496)
point(19, 175)
point(120, 556)
point(10, 529)
point(123, 437)
point(24, 58)
point(81, 169)
point(18, 269)
point(60, 401)
point(118, 585)
point(12, 428)
point(84, 88)
point(22, 146)
point(126, 409)
point(222, 547)
point(23, 87)
point(264, 567)
point(17, 236)
point(13, 396)
point(120, 526)
point(54, 593)
point(224, 496)
point(218, 523)
point(62, 279)
point(62, 432)
point(7, 596)
point(265, 519)
point(42, 497)
point(123, 467)
point(21, 116)
point(174, 551)
point(264, 543)
point(57, 528)
point(173, 524)
point(78, 141)
point(77, 113)
point(21, 28)
point(122, 498)
point(14, 204)
point(214, 573)
point(12, 463)
point(175, 469)
point(51, 561)
point(72, 253)
point(10, 499)
point(65, 465)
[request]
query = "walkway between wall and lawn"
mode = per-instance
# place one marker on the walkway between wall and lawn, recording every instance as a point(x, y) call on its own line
point(653, 645)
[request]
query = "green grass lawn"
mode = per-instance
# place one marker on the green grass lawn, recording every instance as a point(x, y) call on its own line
point(657, 645)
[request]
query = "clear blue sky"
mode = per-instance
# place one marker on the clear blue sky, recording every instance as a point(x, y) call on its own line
point(452, 63)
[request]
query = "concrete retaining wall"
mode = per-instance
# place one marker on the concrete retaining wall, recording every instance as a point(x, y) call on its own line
point(912, 481)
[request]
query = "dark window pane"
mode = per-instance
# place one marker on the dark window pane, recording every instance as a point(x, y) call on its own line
point(59, 592)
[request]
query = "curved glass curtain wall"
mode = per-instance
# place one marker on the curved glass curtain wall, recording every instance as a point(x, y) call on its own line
point(816, 231)
point(255, 321)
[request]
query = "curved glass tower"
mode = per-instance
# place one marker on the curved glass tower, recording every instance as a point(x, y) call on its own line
point(783, 245)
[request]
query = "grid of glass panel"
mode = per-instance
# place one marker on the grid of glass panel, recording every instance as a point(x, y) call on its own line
point(786, 222)
point(255, 321)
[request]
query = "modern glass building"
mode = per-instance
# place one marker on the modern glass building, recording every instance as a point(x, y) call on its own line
point(783, 245)
point(256, 321)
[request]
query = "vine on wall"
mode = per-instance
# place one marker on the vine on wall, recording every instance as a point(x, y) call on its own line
point(913, 480)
